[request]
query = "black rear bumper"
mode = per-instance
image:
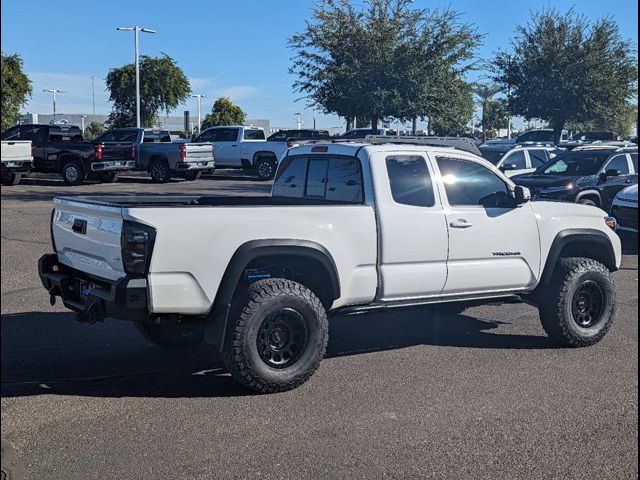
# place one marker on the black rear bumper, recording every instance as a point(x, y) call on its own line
point(94, 298)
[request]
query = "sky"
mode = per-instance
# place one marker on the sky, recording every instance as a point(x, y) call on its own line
point(232, 48)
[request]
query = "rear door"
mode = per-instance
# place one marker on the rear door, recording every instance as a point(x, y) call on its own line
point(86, 236)
point(413, 233)
point(492, 247)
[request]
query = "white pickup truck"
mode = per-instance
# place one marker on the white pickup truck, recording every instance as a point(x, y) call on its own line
point(349, 227)
point(16, 159)
point(244, 147)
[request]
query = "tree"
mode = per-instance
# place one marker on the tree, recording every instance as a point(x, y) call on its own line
point(565, 68)
point(494, 113)
point(94, 130)
point(454, 113)
point(382, 60)
point(224, 112)
point(16, 87)
point(163, 86)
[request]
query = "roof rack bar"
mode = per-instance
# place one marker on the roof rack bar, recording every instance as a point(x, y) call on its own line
point(459, 143)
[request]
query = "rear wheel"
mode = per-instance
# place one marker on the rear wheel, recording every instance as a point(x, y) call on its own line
point(192, 175)
point(278, 333)
point(11, 178)
point(159, 171)
point(265, 168)
point(73, 173)
point(173, 335)
point(108, 177)
point(578, 307)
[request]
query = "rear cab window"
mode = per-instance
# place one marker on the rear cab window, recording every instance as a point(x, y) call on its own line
point(254, 134)
point(410, 180)
point(331, 178)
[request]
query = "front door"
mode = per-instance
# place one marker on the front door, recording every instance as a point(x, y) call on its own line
point(493, 244)
point(413, 237)
point(611, 185)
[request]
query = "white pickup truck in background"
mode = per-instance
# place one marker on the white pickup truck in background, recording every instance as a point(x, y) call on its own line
point(349, 227)
point(244, 147)
point(16, 159)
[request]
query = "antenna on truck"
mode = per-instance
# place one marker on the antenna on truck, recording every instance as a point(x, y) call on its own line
point(461, 143)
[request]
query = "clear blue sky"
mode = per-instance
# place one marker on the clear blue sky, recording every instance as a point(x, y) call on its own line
point(227, 48)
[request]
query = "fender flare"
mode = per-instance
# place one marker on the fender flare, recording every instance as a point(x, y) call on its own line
point(588, 193)
point(263, 153)
point(599, 239)
point(243, 256)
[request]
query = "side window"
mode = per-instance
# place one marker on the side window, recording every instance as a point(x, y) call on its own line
point(526, 137)
point(252, 135)
point(33, 133)
point(344, 183)
point(619, 162)
point(290, 179)
point(538, 158)
point(469, 183)
point(517, 159)
point(634, 160)
point(410, 181)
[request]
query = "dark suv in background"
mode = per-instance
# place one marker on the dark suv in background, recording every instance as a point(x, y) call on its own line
point(299, 135)
point(587, 175)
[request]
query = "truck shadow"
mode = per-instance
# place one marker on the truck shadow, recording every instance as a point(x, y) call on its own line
point(50, 353)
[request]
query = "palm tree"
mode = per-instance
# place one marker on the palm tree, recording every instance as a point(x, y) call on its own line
point(485, 94)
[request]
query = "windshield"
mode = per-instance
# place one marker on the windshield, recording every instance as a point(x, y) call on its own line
point(575, 163)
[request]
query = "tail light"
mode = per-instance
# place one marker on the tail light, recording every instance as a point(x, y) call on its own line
point(33, 151)
point(136, 244)
point(133, 152)
point(183, 151)
point(213, 150)
point(53, 240)
point(98, 151)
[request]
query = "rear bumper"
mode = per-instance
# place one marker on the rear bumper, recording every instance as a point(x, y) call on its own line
point(197, 165)
point(16, 166)
point(114, 165)
point(91, 298)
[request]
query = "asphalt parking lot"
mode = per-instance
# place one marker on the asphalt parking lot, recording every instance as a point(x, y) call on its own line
point(407, 394)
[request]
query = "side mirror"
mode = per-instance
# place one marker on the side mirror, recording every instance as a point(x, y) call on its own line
point(613, 173)
point(521, 194)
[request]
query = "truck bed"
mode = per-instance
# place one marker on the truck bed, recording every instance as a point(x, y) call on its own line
point(142, 201)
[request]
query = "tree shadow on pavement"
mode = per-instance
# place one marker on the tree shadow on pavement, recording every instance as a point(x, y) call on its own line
point(51, 353)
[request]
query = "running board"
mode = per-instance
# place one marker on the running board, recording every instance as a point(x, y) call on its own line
point(471, 301)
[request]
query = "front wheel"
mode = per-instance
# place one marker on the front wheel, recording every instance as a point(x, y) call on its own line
point(11, 178)
point(265, 168)
point(278, 333)
point(192, 175)
point(173, 335)
point(578, 307)
point(108, 177)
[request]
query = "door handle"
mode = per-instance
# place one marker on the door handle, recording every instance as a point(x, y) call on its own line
point(462, 223)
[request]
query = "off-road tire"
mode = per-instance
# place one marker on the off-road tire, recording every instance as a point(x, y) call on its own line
point(9, 179)
point(73, 173)
point(192, 175)
point(265, 168)
point(108, 177)
point(160, 171)
point(251, 307)
point(172, 335)
point(589, 202)
point(556, 302)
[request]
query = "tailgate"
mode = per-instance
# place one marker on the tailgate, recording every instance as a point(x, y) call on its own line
point(199, 152)
point(16, 151)
point(87, 236)
point(117, 151)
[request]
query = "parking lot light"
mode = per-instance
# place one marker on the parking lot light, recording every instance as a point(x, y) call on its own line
point(53, 91)
point(199, 96)
point(135, 29)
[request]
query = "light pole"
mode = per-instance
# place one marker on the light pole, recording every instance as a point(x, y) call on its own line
point(93, 94)
point(53, 91)
point(82, 117)
point(298, 120)
point(314, 116)
point(199, 96)
point(136, 30)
